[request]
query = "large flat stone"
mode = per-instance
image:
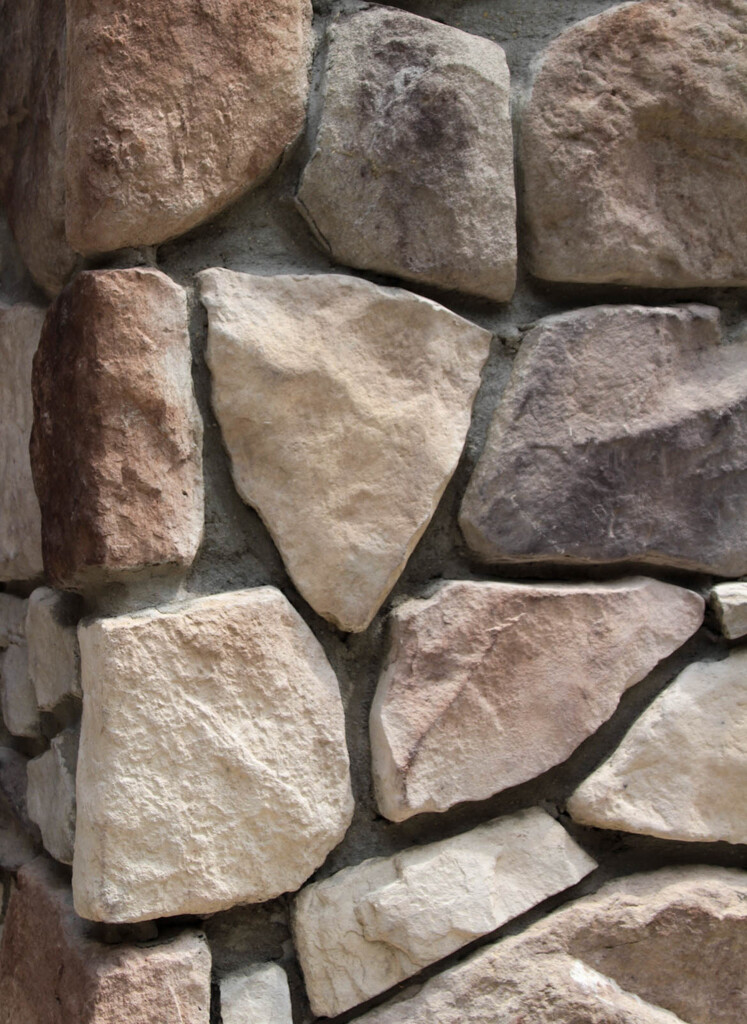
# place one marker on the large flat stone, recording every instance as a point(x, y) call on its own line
point(681, 770)
point(116, 447)
point(635, 148)
point(50, 794)
point(344, 407)
point(412, 172)
point(487, 685)
point(622, 436)
point(54, 660)
point(212, 768)
point(729, 601)
point(19, 836)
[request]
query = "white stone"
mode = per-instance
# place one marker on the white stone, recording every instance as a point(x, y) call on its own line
point(50, 795)
point(54, 661)
point(17, 698)
point(259, 995)
point(729, 601)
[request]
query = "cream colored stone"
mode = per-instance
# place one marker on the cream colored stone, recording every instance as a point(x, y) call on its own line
point(729, 601)
point(368, 927)
point(212, 768)
point(50, 795)
point(258, 995)
point(54, 661)
point(344, 407)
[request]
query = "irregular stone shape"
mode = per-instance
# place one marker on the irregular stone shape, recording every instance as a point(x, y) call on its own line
point(53, 972)
point(116, 448)
point(413, 172)
point(681, 770)
point(368, 927)
point(258, 995)
point(622, 436)
point(213, 768)
point(17, 699)
point(19, 836)
point(634, 147)
point(20, 521)
point(51, 794)
point(729, 601)
point(487, 685)
point(344, 407)
point(13, 611)
point(661, 948)
point(175, 110)
point(54, 661)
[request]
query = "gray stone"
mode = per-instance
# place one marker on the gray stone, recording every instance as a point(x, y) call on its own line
point(50, 795)
point(257, 995)
point(19, 836)
point(17, 698)
point(54, 661)
point(729, 601)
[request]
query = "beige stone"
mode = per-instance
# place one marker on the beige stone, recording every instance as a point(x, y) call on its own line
point(370, 926)
point(212, 768)
point(412, 172)
point(54, 661)
point(50, 795)
point(635, 148)
point(729, 601)
point(344, 407)
point(258, 995)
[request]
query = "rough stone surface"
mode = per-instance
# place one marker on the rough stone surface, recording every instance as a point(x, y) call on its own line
point(20, 522)
point(681, 770)
point(174, 110)
point(412, 174)
point(661, 948)
point(487, 685)
point(729, 601)
point(51, 795)
point(13, 612)
point(259, 995)
point(19, 837)
point(54, 661)
point(635, 148)
point(344, 407)
point(20, 711)
point(213, 768)
point(53, 972)
point(622, 436)
point(116, 447)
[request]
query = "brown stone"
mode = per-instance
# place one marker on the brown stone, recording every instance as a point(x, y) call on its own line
point(116, 445)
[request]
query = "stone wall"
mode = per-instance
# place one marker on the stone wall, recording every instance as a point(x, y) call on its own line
point(373, 490)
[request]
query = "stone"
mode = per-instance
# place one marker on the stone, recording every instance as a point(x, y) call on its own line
point(370, 926)
point(667, 947)
point(621, 437)
point(681, 770)
point(17, 699)
point(729, 601)
point(13, 611)
point(54, 660)
point(20, 520)
point(344, 407)
point(19, 836)
point(174, 111)
point(412, 172)
point(51, 795)
point(487, 685)
point(52, 971)
point(116, 447)
point(634, 148)
point(212, 768)
point(258, 995)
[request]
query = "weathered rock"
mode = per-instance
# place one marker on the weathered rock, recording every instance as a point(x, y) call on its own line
point(729, 601)
point(20, 522)
point(622, 436)
point(54, 661)
point(19, 837)
point(487, 685)
point(368, 927)
point(661, 948)
point(51, 795)
point(116, 448)
point(681, 770)
point(174, 111)
point(635, 148)
point(53, 972)
point(412, 174)
point(344, 407)
point(258, 995)
point(212, 768)
point(13, 611)
point(17, 699)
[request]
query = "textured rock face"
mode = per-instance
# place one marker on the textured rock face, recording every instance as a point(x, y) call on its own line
point(259, 995)
point(54, 661)
point(19, 836)
point(488, 684)
point(51, 972)
point(635, 151)
point(413, 169)
point(681, 771)
point(20, 522)
point(50, 795)
point(344, 408)
point(213, 768)
point(116, 445)
point(661, 948)
point(368, 927)
point(729, 601)
point(20, 711)
point(622, 436)
point(192, 105)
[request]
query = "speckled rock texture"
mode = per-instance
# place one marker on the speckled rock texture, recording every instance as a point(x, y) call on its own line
point(729, 601)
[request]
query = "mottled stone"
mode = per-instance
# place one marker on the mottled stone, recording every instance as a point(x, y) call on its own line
point(212, 768)
point(344, 407)
point(54, 661)
point(622, 436)
point(19, 836)
point(51, 795)
point(368, 927)
point(412, 172)
point(729, 601)
point(635, 148)
point(116, 448)
point(257, 995)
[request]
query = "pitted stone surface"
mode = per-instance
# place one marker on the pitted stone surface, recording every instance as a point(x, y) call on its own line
point(412, 174)
point(258, 995)
point(729, 601)
point(213, 768)
point(19, 836)
point(622, 436)
point(50, 795)
point(344, 407)
point(54, 661)
point(635, 148)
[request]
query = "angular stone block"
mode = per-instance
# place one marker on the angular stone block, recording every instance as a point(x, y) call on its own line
point(19, 836)
point(258, 995)
point(54, 660)
point(729, 601)
point(50, 795)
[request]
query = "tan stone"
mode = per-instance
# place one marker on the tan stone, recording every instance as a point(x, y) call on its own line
point(344, 407)
point(258, 995)
point(729, 601)
point(50, 795)
point(54, 661)
point(635, 148)
point(487, 685)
